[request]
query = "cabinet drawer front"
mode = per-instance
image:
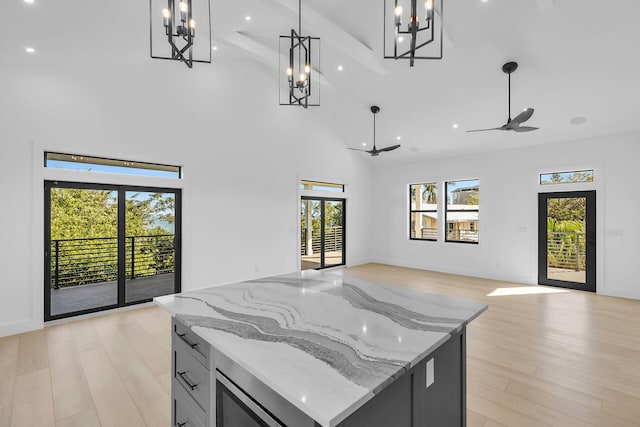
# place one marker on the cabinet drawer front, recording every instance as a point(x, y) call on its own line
point(191, 375)
point(196, 346)
point(184, 415)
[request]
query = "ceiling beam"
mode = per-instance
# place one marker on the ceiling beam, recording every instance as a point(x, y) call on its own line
point(545, 4)
point(336, 36)
point(264, 54)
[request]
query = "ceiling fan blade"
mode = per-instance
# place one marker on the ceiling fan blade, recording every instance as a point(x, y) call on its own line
point(357, 149)
point(390, 148)
point(524, 129)
point(521, 118)
point(484, 130)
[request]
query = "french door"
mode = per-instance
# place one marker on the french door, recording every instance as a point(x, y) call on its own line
point(322, 232)
point(108, 246)
point(567, 240)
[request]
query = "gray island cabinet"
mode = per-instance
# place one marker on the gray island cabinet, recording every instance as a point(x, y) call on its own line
point(312, 349)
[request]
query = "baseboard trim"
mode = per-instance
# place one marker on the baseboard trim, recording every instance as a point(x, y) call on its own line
point(20, 327)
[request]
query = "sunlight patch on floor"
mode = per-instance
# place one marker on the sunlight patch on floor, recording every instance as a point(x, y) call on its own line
point(525, 290)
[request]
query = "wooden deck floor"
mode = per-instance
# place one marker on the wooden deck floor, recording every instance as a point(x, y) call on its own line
point(310, 262)
point(539, 356)
point(83, 297)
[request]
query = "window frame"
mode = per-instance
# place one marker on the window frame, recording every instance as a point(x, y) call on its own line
point(133, 165)
point(447, 211)
point(412, 211)
point(590, 173)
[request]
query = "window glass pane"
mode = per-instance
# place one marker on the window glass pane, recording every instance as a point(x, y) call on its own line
point(566, 177)
point(462, 226)
point(463, 201)
point(424, 225)
point(321, 186)
point(463, 195)
point(423, 211)
point(98, 164)
point(427, 197)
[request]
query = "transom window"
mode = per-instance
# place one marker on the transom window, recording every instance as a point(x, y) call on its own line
point(423, 211)
point(321, 186)
point(99, 164)
point(570, 177)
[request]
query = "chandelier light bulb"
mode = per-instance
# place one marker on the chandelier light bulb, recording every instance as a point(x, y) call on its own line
point(166, 15)
point(428, 4)
point(183, 11)
point(289, 71)
point(307, 69)
point(398, 15)
point(192, 24)
point(303, 78)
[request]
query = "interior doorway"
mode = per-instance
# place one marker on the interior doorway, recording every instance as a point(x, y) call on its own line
point(322, 232)
point(567, 240)
point(108, 246)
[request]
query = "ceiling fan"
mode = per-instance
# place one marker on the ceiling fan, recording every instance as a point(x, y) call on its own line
point(375, 109)
point(514, 124)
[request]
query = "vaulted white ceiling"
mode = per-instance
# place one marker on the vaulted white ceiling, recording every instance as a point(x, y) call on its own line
point(578, 60)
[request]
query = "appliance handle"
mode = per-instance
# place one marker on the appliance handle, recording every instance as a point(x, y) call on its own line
point(247, 401)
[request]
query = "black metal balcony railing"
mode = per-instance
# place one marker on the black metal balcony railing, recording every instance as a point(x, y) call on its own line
point(332, 240)
point(94, 260)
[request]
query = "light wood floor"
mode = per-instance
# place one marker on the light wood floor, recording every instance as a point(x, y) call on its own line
point(533, 359)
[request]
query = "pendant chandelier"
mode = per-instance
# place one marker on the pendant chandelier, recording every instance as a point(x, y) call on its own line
point(413, 29)
point(300, 83)
point(175, 21)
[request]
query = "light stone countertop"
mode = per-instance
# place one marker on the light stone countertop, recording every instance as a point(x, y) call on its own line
point(324, 342)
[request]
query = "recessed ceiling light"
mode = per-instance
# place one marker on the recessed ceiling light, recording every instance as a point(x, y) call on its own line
point(398, 138)
point(580, 120)
point(340, 68)
point(29, 1)
point(214, 48)
point(455, 126)
point(400, 39)
point(29, 50)
point(484, 1)
point(364, 144)
point(247, 18)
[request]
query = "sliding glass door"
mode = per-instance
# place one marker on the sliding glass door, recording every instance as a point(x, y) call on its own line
point(322, 233)
point(108, 246)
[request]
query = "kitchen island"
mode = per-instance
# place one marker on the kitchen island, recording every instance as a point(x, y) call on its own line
point(318, 349)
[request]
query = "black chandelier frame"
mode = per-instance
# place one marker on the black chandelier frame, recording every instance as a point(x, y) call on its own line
point(301, 64)
point(413, 31)
point(179, 26)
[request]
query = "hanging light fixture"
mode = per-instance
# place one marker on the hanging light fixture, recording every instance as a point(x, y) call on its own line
point(175, 21)
point(413, 29)
point(300, 83)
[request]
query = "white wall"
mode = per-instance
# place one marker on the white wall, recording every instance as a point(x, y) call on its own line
point(508, 211)
point(242, 156)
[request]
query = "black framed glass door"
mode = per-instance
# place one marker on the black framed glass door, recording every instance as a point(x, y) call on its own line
point(108, 246)
point(322, 232)
point(567, 240)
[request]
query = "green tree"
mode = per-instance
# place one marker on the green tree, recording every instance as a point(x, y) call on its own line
point(79, 213)
point(567, 208)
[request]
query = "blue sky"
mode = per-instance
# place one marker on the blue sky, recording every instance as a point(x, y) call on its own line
point(60, 164)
